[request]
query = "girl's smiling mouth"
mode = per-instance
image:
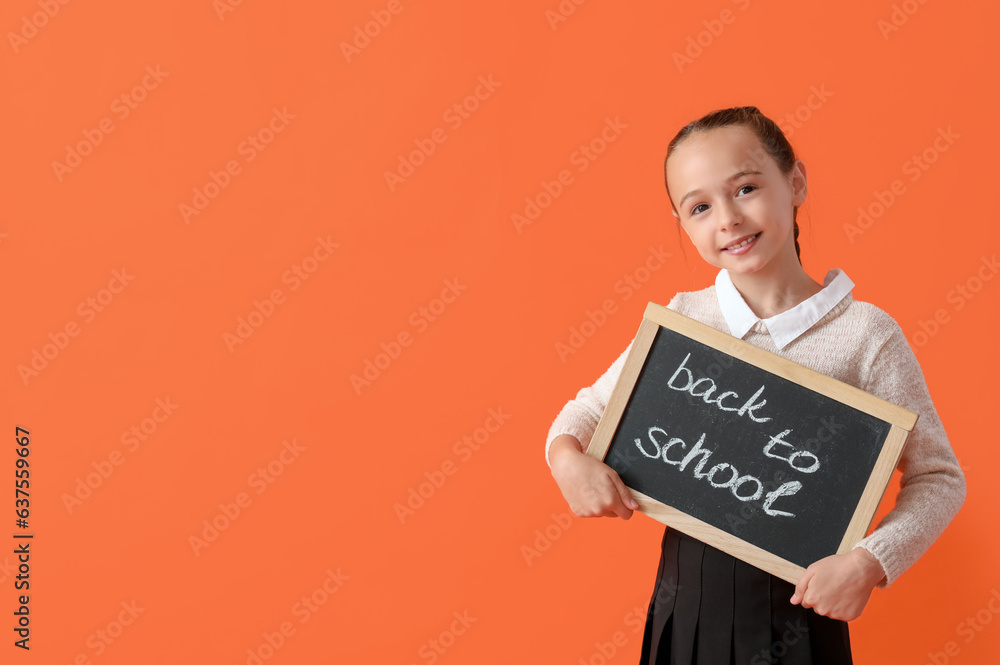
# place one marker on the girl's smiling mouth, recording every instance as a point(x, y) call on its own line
point(742, 245)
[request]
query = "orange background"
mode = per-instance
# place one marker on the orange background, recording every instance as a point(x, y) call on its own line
point(361, 452)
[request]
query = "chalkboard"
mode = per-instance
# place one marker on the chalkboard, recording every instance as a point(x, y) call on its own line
point(763, 458)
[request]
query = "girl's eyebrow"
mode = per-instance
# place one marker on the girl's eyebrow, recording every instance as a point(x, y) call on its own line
point(736, 176)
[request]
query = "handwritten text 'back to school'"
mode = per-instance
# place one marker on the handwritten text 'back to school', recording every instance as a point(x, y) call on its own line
point(723, 475)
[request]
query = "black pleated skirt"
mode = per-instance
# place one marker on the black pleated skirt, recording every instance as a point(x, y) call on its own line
point(709, 608)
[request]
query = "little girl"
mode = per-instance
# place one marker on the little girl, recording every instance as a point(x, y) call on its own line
point(735, 186)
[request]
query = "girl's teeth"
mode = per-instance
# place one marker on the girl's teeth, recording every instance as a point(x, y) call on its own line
point(747, 241)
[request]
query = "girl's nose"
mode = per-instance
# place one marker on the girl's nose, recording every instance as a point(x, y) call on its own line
point(729, 216)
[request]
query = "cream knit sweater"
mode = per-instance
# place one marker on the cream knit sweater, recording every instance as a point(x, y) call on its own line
point(859, 344)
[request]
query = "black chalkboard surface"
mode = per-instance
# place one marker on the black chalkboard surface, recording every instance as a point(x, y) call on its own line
point(758, 456)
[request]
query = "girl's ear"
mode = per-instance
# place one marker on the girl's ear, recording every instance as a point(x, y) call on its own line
point(798, 182)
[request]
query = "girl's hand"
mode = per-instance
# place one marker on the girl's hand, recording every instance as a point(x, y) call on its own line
point(838, 586)
point(590, 487)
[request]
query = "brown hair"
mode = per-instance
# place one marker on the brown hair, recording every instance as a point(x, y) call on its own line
point(771, 138)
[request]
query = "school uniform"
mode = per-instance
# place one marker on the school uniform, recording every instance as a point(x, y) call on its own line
point(709, 608)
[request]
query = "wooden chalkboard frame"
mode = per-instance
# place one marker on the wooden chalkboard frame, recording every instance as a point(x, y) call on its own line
point(901, 420)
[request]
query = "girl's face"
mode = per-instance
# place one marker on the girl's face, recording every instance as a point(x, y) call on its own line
point(728, 190)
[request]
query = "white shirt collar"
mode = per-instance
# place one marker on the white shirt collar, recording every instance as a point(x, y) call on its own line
point(788, 325)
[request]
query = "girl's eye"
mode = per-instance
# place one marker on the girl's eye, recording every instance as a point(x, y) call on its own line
point(694, 211)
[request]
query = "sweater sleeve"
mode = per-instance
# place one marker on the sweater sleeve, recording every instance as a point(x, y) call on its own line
point(932, 487)
point(580, 415)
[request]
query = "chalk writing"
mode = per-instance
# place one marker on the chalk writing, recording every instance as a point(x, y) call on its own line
point(706, 426)
point(691, 387)
point(735, 481)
